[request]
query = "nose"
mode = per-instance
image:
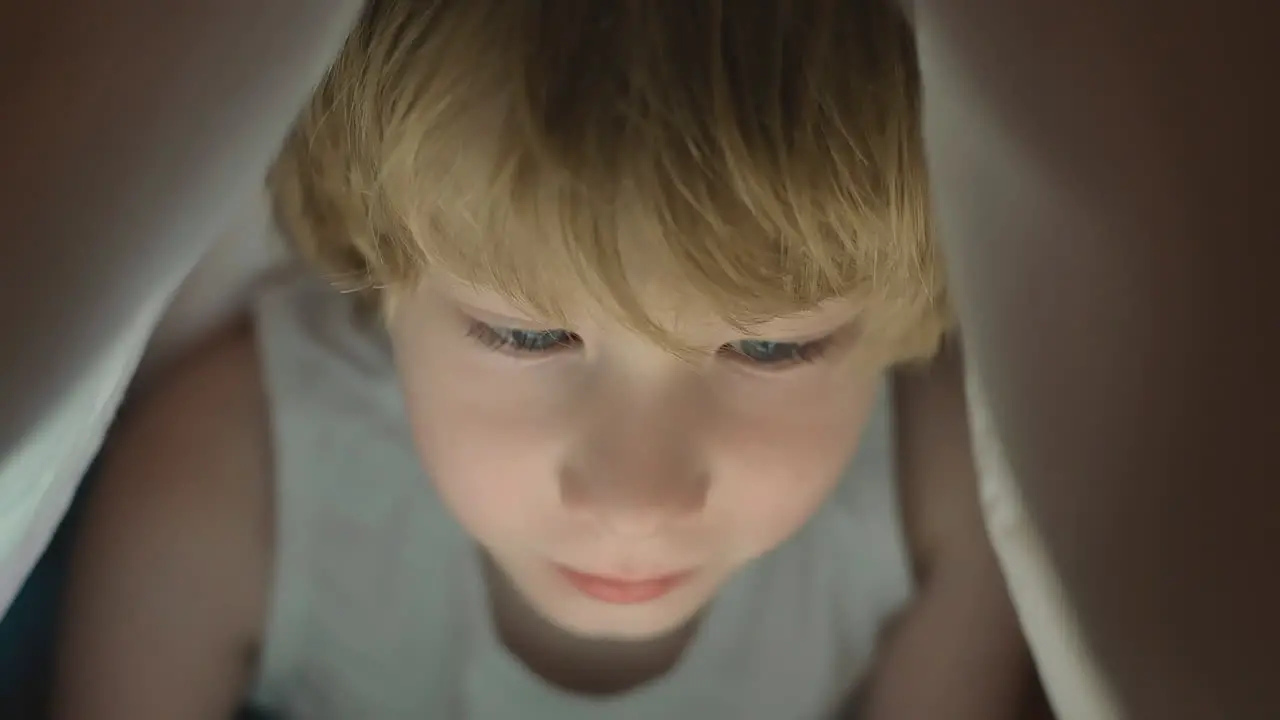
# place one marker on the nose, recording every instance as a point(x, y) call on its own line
point(634, 502)
point(637, 467)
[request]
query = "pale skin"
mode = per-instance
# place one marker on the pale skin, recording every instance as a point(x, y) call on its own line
point(169, 592)
point(86, 291)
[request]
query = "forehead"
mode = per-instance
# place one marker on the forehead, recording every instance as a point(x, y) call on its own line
point(658, 247)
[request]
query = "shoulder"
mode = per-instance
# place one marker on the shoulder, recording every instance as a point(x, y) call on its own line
point(167, 595)
point(184, 493)
point(939, 483)
point(962, 608)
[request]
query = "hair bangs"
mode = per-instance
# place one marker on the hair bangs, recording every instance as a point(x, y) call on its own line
point(756, 159)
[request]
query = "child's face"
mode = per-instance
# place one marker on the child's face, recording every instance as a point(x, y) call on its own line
point(616, 485)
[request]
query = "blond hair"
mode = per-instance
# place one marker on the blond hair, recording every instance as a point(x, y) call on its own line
point(763, 157)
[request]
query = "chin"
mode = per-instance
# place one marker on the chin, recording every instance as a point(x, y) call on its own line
point(621, 632)
point(622, 624)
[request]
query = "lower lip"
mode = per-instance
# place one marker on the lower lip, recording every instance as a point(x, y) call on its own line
point(622, 592)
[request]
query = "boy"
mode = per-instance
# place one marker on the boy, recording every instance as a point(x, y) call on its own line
point(643, 267)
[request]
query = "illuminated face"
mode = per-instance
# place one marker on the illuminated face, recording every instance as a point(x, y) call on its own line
point(616, 485)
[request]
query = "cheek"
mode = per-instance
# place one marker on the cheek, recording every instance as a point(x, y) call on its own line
point(489, 447)
point(775, 468)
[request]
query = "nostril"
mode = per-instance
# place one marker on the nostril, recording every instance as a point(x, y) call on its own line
point(634, 506)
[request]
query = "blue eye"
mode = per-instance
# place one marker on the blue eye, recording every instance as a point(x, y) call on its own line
point(768, 352)
point(515, 340)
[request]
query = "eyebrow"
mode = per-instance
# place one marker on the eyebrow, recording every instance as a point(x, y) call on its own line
point(499, 319)
point(803, 335)
point(780, 329)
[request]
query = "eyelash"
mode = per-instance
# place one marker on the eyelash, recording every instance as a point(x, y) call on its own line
point(499, 339)
point(796, 354)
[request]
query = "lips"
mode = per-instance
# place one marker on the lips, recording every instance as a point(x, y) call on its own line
point(623, 591)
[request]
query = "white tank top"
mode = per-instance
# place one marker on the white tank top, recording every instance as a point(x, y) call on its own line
point(379, 608)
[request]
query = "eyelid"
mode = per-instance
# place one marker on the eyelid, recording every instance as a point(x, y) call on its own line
point(505, 322)
point(805, 352)
point(800, 354)
point(493, 338)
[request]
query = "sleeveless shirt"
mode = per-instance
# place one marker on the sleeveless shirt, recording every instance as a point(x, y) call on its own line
point(379, 607)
